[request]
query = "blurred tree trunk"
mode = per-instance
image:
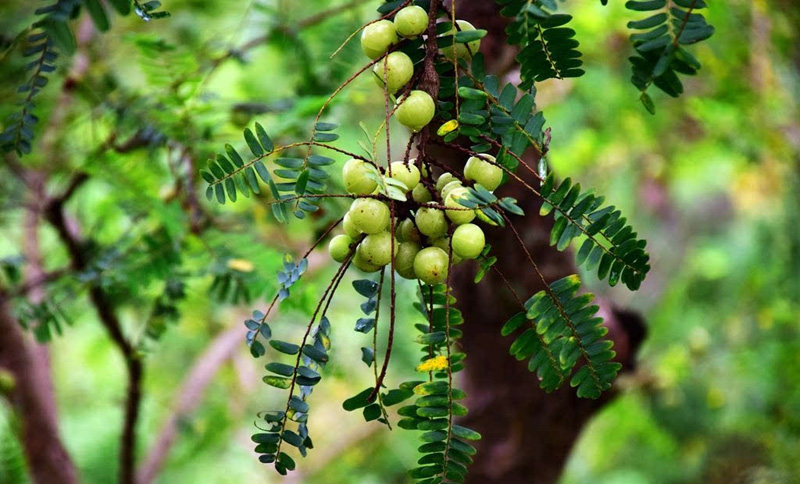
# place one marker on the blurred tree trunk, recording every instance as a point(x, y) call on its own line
point(33, 400)
point(527, 434)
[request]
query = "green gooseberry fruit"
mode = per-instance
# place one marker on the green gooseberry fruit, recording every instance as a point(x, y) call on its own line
point(416, 110)
point(430, 265)
point(444, 244)
point(369, 215)
point(443, 180)
point(408, 175)
point(339, 247)
point(450, 187)
point(377, 37)
point(411, 21)
point(356, 181)
point(377, 248)
point(404, 259)
point(431, 222)
point(468, 241)
point(398, 71)
point(363, 264)
point(458, 217)
point(458, 49)
point(421, 194)
point(407, 232)
point(484, 172)
point(350, 230)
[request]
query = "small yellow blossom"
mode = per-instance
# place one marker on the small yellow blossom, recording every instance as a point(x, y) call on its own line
point(241, 265)
point(433, 364)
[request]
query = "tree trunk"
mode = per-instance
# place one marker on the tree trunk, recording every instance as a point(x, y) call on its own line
point(527, 434)
point(33, 400)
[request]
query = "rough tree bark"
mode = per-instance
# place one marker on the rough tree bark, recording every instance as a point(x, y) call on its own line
point(527, 434)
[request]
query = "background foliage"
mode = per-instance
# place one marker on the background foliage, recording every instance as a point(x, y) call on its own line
point(710, 182)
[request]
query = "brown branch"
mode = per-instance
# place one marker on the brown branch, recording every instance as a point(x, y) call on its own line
point(54, 213)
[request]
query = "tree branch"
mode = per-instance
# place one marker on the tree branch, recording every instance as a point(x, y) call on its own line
point(54, 213)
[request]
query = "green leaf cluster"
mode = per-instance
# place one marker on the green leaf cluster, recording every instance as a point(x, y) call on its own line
point(368, 289)
point(446, 449)
point(548, 48)
point(228, 174)
point(611, 245)
point(49, 34)
point(564, 330)
point(659, 43)
point(300, 379)
point(488, 113)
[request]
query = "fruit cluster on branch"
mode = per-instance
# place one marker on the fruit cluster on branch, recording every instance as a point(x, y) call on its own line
point(415, 217)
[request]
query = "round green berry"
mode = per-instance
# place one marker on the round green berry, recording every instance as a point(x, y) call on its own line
point(411, 21)
point(421, 194)
point(407, 232)
point(443, 180)
point(458, 49)
point(407, 174)
point(404, 259)
point(397, 68)
point(458, 217)
point(483, 169)
point(356, 181)
point(377, 37)
point(430, 265)
point(416, 111)
point(339, 247)
point(450, 187)
point(350, 230)
point(468, 241)
point(370, 216)
point(431, 222)
point(363, 264)
point(377, 248)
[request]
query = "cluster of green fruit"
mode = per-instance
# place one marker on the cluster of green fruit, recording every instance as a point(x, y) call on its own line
point(396, 69)
point(424, 231)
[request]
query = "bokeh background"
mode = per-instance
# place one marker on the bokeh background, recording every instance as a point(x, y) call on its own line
point(711, 181)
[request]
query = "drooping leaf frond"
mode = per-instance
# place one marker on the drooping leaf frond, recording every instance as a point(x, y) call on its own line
point(549, 49)
point(446, 451)
point(564, 331)
point(299, 378)
point(611, 244)
point(659, 43)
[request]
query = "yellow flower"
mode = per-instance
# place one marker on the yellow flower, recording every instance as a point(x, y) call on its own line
point(241, 265)
point(433, 364)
